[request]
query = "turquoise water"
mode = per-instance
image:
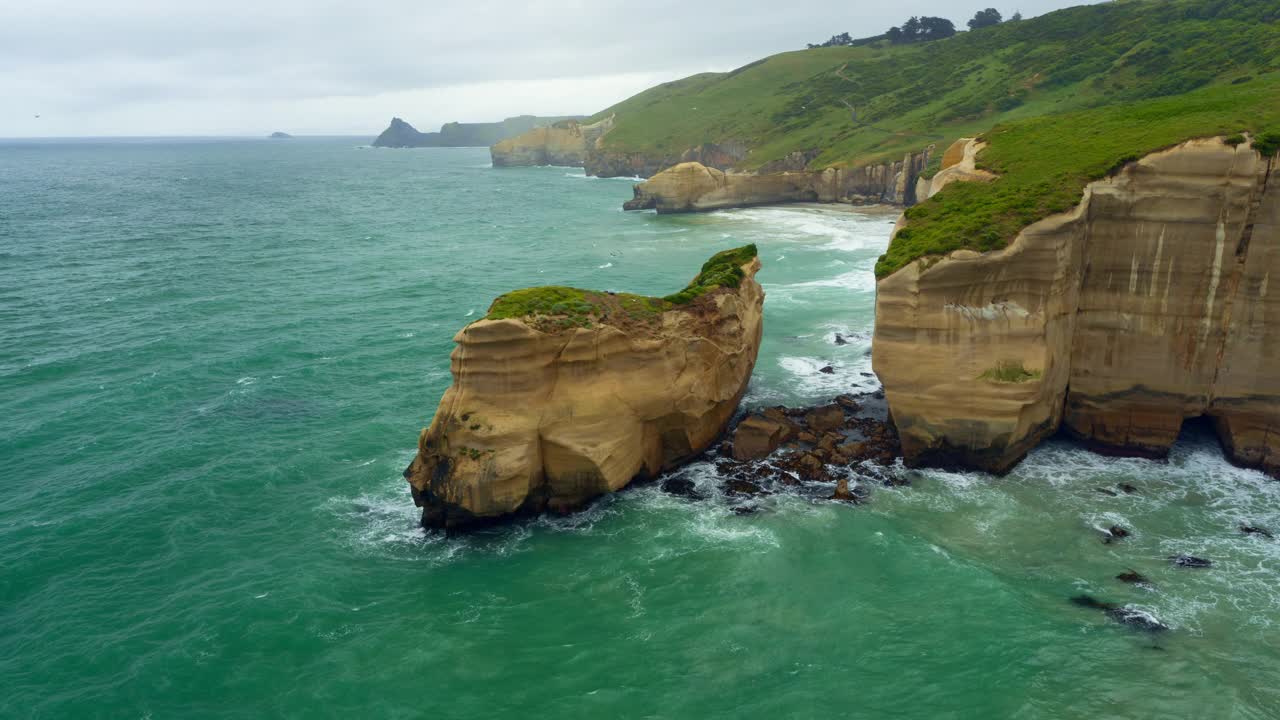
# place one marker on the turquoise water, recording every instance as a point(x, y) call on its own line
point(214, 361)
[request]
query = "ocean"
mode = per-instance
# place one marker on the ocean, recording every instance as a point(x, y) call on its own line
point(215, 359)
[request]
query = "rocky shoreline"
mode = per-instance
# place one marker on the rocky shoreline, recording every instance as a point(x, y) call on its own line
point(848, 443)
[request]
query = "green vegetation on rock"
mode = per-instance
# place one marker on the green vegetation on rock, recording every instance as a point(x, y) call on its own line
point(1010, 371)
point(1044, 163)
point(724, 269)
point(557, 307)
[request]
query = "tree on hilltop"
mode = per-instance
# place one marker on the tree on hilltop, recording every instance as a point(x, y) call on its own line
point(921, 29)
point(836, 41)
point(985, 18)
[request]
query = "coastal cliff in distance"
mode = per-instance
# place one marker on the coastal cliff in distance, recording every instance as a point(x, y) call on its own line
point(560, 395)
point(400, 134)
point(564, 143)
point(1146, 304)
point(691, 186)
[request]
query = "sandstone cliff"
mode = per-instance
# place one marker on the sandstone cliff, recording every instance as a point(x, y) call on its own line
point(604, 162)
point(564, 143)
point(1145, 305)
point(690, 186)
point(570, 394)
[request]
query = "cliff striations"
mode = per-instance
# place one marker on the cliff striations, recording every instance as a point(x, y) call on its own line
point(564, 143)
point(1145, 305)
point(561, 395)
point(691, 186)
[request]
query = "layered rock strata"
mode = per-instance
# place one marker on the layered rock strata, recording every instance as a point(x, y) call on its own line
point(603, 161)
point(547, 412)
point(564, 143)
point(1145, 305)
point(692, 187)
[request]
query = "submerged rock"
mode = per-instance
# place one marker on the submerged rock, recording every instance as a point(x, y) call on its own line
point(561, 395)
point(840, 340)
point(1115, 532)
point(1131, 617)
point(682, 487)
point(1134, 577)
point(743, 487)
point(1190, 561)
point(1252, 530)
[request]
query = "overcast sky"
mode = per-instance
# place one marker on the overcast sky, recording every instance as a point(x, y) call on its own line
point(249, 67)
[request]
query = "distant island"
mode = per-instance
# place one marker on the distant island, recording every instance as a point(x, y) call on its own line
point(400, 134)
point(280, 135)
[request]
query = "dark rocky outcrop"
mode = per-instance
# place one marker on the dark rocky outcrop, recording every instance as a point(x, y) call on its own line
point(1131, 617)
point(1133, 577)
point(1114, 533)
point(400, 134)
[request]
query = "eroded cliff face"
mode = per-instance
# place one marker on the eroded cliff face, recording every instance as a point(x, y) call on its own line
point(547, 420)
point(1146, 305)
point(564, 143)
point(603, 161)
point(692, 187)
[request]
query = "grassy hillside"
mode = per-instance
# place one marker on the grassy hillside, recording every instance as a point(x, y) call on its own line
point(904, 97)
point(1044, 163)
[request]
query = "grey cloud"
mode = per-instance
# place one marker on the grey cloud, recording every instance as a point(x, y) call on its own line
point(91, 58)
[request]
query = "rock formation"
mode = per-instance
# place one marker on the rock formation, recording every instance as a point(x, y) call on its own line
point(573, 394)
point(959, 163)
point(564, 143)
point(400, 134)
point(603, 161)
point(1145, 305)
point(691, 186)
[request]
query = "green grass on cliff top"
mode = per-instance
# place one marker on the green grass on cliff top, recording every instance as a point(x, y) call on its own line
point(910, 96)
point(559, 307)
point(1044, 163)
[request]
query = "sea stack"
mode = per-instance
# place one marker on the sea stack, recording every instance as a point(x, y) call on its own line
point(560, 395)
point(1145, 304)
